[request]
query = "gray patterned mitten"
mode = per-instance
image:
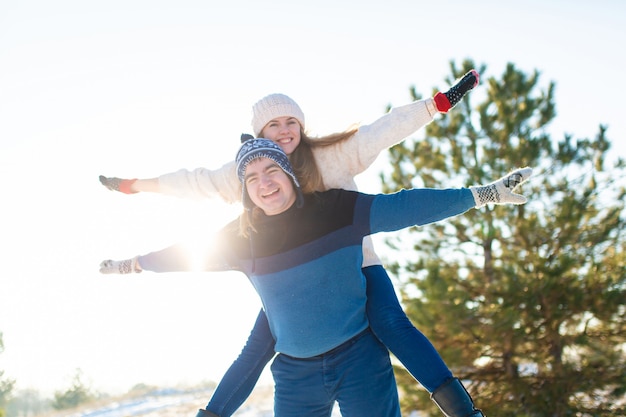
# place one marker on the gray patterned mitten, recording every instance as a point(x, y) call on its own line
point(501, 191)
point(128, 266)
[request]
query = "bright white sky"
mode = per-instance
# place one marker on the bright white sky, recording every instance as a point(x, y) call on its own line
point(137, 88)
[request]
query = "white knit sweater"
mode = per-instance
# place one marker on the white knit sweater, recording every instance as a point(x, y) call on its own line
point(338, 163)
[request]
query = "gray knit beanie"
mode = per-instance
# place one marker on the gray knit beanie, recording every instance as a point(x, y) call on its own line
point(271, 107)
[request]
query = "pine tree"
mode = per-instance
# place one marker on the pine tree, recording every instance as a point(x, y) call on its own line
point(526, 303)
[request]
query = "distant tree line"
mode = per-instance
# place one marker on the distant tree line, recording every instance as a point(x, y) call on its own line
point(6, 385)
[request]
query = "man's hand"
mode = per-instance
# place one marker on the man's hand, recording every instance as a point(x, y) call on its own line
point(128, 266)
point(501, 191)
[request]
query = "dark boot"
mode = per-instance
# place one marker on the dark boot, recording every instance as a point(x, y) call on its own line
point(454, 401)
point(445, 101)
point(205, 413)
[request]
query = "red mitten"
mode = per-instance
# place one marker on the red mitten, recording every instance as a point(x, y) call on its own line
point(118, 184)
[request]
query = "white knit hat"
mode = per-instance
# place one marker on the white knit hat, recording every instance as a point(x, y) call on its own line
point(271, 107)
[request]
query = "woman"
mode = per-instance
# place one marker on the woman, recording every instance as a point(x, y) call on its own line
point(321, 164)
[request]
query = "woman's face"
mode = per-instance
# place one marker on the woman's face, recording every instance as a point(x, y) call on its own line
point(283, 131)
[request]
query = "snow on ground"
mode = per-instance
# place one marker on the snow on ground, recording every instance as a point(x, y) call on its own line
point(175, 403)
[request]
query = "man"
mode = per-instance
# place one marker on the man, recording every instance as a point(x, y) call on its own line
point(303, 255)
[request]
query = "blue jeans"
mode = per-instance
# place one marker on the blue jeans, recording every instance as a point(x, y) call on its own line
point(357, 374)
point(387, 320)
point(239, 380)
point(391, 325)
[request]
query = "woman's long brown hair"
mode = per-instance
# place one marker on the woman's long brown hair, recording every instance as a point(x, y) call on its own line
point(304, 164)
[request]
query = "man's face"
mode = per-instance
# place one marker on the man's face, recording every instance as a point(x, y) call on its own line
point(268, 186)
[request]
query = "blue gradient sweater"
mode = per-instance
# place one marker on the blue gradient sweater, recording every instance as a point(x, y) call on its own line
point(305, 263)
